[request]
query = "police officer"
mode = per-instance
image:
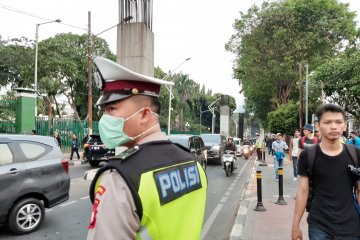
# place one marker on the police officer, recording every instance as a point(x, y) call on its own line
point(154, 189)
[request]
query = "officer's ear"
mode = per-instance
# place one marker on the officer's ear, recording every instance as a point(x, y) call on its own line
point(146, 115)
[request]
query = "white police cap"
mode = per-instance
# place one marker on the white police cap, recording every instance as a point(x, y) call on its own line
point(118, 82)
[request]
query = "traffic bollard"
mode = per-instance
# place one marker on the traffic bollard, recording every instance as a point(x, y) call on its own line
point(259, 206)
point(281, 200)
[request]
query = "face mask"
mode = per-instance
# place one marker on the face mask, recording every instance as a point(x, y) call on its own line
point(112, 130)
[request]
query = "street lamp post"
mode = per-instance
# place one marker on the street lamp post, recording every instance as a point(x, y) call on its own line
point(36, 57)
point(171, 96)
point(201, 112)
point(212, 110)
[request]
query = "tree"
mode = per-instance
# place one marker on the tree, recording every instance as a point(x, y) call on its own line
point(340, 78)
point(63, 58)
point(284, 119)
point(270, 42)
point(16, 58)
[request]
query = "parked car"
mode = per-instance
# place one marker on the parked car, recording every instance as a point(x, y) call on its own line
point(237, 142)
point(194, 143)
point(95, 151)
point(33, 176)
point(215, 146)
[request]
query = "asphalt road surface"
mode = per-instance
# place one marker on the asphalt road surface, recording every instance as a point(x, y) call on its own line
point(70, 219)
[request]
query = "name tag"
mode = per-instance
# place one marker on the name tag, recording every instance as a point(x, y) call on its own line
point(177, 181)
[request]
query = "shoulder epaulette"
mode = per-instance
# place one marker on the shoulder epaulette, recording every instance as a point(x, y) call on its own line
point(125, 154)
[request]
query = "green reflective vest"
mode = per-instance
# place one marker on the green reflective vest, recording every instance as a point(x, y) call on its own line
point(169, 190)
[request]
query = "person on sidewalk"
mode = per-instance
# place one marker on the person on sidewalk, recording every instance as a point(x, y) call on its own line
point(308, 139)
point(154, 189)
point(332, 213)
point(355, 140)
point(259, 145)
point(269, 142)
point(74, 147)
point(293, 150)
point(58, 139)
point(279, 147)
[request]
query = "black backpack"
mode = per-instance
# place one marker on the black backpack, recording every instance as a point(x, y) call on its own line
point(311, 156)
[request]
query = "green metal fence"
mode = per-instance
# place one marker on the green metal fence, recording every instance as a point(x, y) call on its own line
point(7, 115)
point(66, 128)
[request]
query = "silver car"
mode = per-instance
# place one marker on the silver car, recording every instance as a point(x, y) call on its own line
point(33, 176)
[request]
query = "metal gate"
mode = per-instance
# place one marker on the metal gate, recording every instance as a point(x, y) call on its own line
point(7, 114)
point(66, 128)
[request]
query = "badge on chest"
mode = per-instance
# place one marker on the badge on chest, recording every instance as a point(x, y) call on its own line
point(174, 182)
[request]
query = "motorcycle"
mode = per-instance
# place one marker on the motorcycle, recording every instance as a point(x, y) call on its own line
point(246, 152)
point(229, 162)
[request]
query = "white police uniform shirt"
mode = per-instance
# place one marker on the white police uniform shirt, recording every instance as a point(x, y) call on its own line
point(115, 215)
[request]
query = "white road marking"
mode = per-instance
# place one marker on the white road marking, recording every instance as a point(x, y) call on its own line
point(68, 203)
point(83, 198)
point(223, 199)
point(211, 220)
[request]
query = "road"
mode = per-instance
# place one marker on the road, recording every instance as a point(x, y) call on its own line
point(70, 219)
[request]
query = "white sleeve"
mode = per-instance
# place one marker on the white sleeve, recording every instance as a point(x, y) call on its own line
point(114, 212)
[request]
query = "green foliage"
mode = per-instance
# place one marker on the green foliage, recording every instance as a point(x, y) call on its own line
point(285, 119)
point(16, 58)
point(189, 100)
point(63, 61)
point(270, 42)
point(340, 78)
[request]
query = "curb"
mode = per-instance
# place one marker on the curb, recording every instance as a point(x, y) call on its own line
point(239, 224)
point(89, 175)
point(76, 162)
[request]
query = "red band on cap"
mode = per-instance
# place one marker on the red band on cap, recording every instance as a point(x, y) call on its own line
point(128, 85)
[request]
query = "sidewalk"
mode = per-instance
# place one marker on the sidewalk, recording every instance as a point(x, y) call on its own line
point(275, 222)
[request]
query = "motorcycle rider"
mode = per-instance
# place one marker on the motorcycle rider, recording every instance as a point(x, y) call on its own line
point(231, 146)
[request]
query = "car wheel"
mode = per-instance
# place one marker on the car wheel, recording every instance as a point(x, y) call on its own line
point(94, 163)
point(26, 216)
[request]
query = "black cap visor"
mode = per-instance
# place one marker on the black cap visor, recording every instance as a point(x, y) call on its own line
point(109, 97)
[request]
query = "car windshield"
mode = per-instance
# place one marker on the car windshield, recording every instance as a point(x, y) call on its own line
point(181, 141)
point(95, 140)
point(210, 138)
point(236, 142)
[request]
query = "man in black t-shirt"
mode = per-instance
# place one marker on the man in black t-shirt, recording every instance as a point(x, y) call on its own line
point(332, 214)
point(308, 139)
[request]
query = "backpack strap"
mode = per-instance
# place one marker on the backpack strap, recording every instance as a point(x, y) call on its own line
point(311, 155)
point(353, 152)
point(302, 142)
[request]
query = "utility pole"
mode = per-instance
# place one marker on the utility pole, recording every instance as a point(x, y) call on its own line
point(300, 98)
point(89, 76)
point(307, 95)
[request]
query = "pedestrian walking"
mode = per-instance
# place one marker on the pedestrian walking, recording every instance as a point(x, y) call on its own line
point(154, 189)
point(74, 147)
point(308, 139)
point(279, 147)
point(58, 139)
point(269, 142)
point(293, 150)
point(353, 139)
point(325, 176)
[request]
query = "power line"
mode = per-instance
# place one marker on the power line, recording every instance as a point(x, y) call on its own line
point(36, 16)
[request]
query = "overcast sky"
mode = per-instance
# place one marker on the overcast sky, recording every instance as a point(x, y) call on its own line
point(197, 29)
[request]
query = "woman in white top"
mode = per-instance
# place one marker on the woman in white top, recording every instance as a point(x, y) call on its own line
point(293, 150)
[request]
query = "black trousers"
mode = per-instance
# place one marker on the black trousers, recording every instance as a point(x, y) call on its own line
point(259, 154)
point(72, 152)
